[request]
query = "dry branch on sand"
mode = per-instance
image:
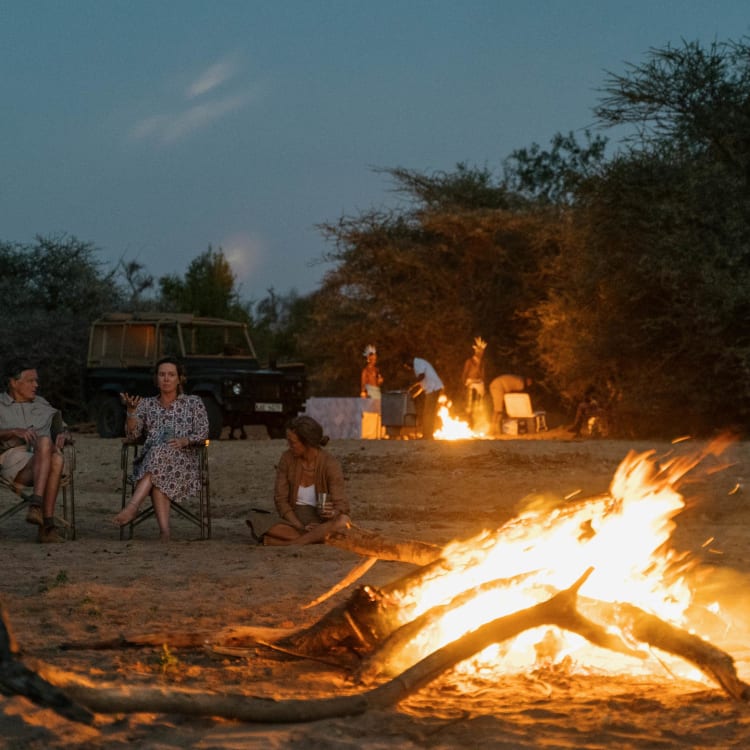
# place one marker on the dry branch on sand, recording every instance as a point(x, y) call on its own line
point(560, 610)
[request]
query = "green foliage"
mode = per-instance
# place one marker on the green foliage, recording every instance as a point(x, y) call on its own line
point(167, 660)
point(52, 289)
point(428, 279)
point(554, 176)
point(278, 325)
point(60, 579)
point(652, 287)
point(208, 289)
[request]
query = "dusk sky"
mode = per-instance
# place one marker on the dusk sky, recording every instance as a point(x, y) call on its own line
point(155, 128)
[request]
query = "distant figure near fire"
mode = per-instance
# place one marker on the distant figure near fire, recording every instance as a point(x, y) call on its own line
point(473, 379)
point(425, 392)
point(371, 379)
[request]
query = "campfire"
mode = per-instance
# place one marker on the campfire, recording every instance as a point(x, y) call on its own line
point(612, 553)
point(622, 536)
point(454, 428)
point(579, 584)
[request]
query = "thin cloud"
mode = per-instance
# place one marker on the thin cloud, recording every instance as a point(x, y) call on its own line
point(166, 128)
point(169, 128)
point(214, 76)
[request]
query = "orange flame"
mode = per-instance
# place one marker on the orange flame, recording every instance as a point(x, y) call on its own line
point(624, 534)
point(453, 428)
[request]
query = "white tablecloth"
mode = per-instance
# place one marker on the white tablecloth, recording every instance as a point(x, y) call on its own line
point(346, 417)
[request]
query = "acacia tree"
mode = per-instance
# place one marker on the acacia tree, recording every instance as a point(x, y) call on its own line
point(458, 261)
point(652, 285)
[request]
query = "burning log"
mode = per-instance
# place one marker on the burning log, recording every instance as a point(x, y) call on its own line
point(560, 611)
point(619, 538)
point(710, 660)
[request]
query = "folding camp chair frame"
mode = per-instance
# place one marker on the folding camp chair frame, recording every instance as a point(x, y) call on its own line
point(67, 489)
point(201, 519)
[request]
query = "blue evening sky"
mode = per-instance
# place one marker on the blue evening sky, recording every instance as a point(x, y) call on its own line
point(153, 128)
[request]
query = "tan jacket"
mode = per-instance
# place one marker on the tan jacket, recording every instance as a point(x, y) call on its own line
point(329, 478)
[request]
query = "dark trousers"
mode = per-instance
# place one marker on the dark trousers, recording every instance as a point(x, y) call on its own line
point(429, 412)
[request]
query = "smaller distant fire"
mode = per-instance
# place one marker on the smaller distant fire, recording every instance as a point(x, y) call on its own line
point(453, 428)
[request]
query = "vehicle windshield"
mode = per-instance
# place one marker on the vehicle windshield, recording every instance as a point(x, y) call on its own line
point(217, 341)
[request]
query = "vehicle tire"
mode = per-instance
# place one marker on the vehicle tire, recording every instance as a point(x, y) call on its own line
point(215, 417)
point(110, 417)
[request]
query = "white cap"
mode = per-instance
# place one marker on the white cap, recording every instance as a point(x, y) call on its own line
point(369, 349)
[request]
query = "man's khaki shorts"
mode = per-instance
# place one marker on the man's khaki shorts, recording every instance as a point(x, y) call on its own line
point(13, 461)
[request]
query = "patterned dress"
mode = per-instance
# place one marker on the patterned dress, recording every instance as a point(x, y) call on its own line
point(174, 471)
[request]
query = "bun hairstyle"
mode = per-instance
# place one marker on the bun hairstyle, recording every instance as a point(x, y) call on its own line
point(170, 360)
point(309, 432)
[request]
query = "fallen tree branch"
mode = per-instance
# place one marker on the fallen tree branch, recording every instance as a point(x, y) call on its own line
point(351, 577)
point(402, 644)
point(370, 544)
point(560, 610)
point(711, 660)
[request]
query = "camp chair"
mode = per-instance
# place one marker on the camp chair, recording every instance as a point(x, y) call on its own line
point(201, 518)
point(518, 407)
point(67, 522)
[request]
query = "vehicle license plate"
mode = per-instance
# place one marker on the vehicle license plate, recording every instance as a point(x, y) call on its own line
point(261, 406)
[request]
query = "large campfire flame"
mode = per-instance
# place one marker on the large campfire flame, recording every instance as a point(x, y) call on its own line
point(624, 535)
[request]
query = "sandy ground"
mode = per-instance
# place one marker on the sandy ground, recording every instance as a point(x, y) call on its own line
point(99, 587)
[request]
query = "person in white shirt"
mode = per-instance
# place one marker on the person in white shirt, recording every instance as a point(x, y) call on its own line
point(426, 391)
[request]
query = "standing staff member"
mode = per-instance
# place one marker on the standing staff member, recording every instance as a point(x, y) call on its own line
point(371, 379)
point(426, 391)
point(473, 378)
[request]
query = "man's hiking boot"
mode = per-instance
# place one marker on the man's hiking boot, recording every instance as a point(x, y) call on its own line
point(34, 515)
point(49, 535)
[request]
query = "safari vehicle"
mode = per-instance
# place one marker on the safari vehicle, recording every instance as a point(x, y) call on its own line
point(220, 360)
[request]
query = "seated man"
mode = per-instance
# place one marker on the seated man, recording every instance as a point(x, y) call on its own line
point(30, 451)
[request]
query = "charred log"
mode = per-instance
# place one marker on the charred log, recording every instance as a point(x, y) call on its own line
point(17, 679)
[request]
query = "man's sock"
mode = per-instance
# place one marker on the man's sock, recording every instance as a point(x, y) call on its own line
point(36, 500)
point(49, 522)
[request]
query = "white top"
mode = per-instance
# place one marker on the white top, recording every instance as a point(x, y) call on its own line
point(307, 495)
point(431, 382)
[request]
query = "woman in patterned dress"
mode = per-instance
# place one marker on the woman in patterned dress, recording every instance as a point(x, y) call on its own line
point(172, 423)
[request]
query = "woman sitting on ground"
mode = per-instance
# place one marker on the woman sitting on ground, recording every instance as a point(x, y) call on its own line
point(304, 471)
point(171, 424)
